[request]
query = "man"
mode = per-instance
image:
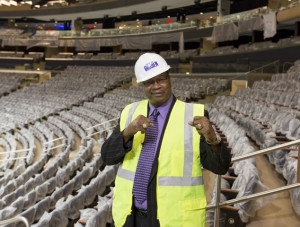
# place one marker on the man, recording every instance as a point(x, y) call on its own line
point(161, 143)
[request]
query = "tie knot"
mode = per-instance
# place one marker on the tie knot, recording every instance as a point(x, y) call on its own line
point(155, 113)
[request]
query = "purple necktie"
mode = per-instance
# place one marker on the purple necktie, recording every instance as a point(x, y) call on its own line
point(144, 166)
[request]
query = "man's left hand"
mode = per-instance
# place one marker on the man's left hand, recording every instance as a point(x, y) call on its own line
point(203, 127)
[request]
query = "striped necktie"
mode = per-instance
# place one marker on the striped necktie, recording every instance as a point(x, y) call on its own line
point(147, 155)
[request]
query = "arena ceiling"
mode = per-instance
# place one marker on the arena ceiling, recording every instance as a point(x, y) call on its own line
point(111, 8)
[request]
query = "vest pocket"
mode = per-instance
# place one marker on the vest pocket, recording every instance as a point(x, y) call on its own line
point(194, 204)
point(193, 213)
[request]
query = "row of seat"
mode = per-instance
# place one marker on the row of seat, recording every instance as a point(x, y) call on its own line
point(68, 206)
point(76, 120)
point(43, 132)
point(34, 189)
point(62, 91)
point(244, 179)
point(44, 190)
point(99, 215)
point(266, 137)
point(9, 144)
point(263, 134)
point(249, 47)
point(184, 89)
point(11, 81)
point(196, 87)
point(268, 123)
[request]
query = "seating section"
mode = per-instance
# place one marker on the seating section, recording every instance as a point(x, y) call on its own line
point(71, 87)
point(53, 185)
point(11, 33)
point(243, 178)
point(53, 191)
point(185, 89)
point(187, 54)
point(11, 81)
point(192, 89)
point(269, 114)
point(54, 175)
point(43, 34)
point(250, 47)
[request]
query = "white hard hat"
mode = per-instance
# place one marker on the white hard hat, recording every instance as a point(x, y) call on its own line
point(149, 65)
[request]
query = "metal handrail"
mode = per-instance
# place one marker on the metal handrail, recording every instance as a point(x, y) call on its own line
point(60, 138)
point(255, 196)
point(15, 220)
point(286, 63)
point(98, 132)
point(15, 151)
point(113, 119)
point(60, 145)
point(259, 194)
point(23, 157)
point(265, 151)
point(262, 67)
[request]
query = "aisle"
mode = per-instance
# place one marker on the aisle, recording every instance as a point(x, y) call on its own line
point(279, 212)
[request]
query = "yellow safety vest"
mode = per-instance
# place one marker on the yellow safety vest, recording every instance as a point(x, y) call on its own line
point(181, 199)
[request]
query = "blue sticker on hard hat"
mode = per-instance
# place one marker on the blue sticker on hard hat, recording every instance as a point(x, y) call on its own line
point(150, 65)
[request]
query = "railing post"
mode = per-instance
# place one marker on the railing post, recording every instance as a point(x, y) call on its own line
point(298, 166)
point(218, 196)
point(15, 220)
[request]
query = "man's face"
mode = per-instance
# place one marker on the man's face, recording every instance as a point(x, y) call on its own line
point(158, 89)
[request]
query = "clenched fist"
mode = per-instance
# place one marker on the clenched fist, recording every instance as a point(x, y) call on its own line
point(141, 123)
point(203, 127)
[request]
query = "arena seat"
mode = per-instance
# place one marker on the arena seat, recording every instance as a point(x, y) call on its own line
point(264, 111)
point(246, 179)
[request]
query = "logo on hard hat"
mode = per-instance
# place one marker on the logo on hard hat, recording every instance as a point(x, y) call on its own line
point(150, 65)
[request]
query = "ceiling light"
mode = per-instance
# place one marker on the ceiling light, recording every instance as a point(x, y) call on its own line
point(13, 3)
point(4, 3)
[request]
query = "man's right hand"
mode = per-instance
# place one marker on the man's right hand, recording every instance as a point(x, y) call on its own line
point(141, 123)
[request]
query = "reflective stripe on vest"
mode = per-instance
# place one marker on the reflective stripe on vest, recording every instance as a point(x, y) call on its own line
point(124, 173)
point(186, 179)
point(131, 111)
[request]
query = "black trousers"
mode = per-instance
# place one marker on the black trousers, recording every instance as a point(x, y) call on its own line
point(136, 219)
point(140, 218)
